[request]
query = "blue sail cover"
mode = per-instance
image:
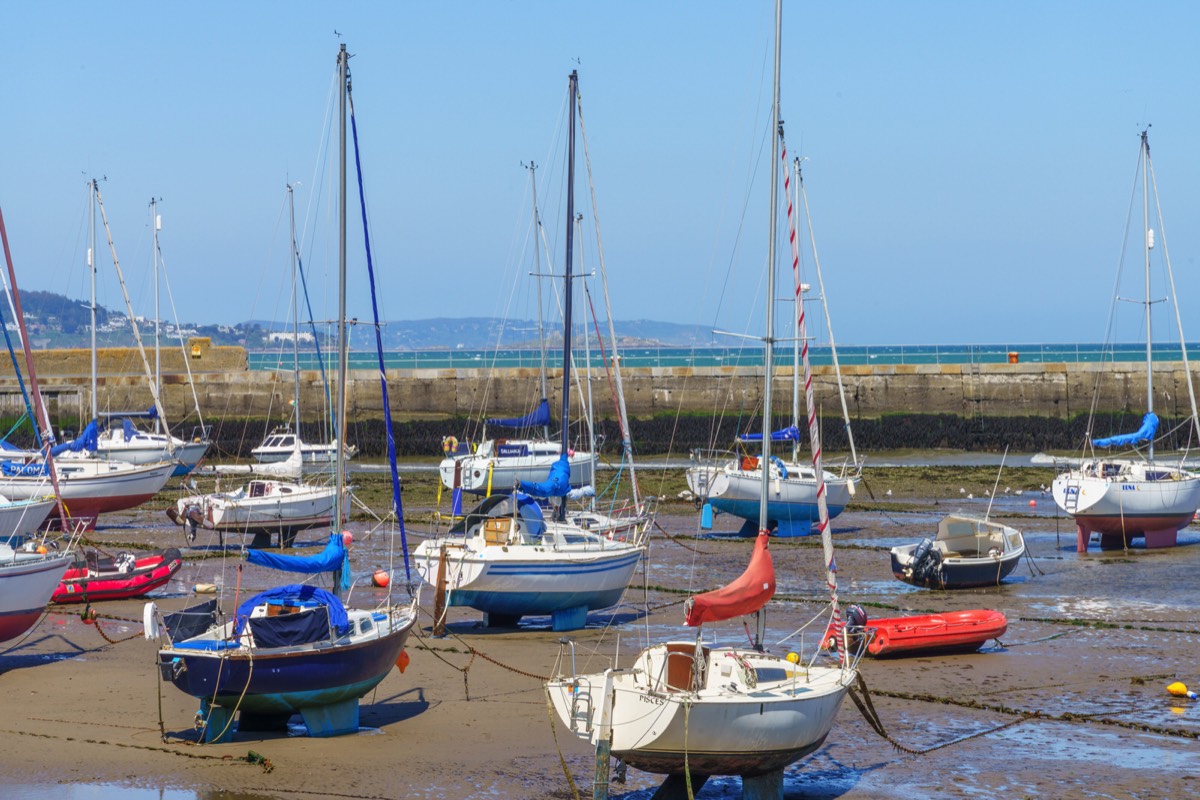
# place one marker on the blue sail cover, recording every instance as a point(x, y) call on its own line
point(557, 483)
point(296, 594)
point(788, 434)
point(88, 440)
point(538, 419)
point(1143, 434)
point(332, 558)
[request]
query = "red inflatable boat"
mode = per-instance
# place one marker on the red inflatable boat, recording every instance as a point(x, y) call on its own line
point(122, 576)
point(951, 632)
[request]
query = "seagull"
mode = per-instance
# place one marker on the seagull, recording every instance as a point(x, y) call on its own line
point(1043, 487)
point(1019, 492)
point(888, 493)
point(971, 497)
point(961, 490)
point(1007, 489)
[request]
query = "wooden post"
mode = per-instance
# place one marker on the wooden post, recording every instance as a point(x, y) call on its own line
point(439, 597)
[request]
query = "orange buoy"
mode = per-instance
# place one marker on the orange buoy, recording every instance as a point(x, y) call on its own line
point(1033, 503)
point(402, 661)
point(347, 538)
point(42, 549)
point(381, 578)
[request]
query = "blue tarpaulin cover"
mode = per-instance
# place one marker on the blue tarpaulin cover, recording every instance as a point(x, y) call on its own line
point(295, 594)
point(539, 418)
point(557, 483)
point(788, 434)
point(1143, 434)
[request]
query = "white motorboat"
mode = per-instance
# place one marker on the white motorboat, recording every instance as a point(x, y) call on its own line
point(262, 506)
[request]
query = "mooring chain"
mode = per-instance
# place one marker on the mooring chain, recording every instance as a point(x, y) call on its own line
point(1025, 714)
point(862, 699)
point(251, 757)
point(679, 541)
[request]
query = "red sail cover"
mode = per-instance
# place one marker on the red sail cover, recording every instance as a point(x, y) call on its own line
point(745, 595)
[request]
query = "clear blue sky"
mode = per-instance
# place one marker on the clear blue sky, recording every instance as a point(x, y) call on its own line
point(970, 163)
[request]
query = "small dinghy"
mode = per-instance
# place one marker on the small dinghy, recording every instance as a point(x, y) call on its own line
point(951, 632)
point(122, 576)
point(967, 552)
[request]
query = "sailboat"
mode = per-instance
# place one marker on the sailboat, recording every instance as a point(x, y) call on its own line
point(503, 462)
point(733, 483)
point(277, 500)
point(280, 444)
point(505, 557)
point(690, 710)
point(124, 441)
point(30, 572)
point(1119, 497)
point(295, 648)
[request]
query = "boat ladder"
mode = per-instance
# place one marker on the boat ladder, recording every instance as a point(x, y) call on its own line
point(1071, 494)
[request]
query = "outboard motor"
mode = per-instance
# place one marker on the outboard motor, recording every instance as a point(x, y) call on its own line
point(926, 563)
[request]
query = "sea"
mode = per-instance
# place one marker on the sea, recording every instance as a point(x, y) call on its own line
point(847, 355)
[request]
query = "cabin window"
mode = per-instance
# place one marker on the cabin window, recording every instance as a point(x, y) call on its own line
point(366, 625)
point(766, 674)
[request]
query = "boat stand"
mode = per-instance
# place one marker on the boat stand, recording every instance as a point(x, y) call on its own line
point(759, 787)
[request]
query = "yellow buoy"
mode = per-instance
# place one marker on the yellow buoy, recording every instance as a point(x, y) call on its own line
point(793, 658)
point(1180, 690)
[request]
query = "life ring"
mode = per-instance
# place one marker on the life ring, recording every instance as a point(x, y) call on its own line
point(449, 445)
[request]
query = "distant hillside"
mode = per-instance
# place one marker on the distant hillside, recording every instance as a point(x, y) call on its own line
point(55, 320)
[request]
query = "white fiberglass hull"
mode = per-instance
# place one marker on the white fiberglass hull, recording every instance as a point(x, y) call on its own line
point(91, 487)
point(520, 580)
point(476, 473)
point(284, 507)
point(24, 516)
point(791, 502)
point(1121, 500)
point(153, 448)
point(27, 581)
point(756, 713)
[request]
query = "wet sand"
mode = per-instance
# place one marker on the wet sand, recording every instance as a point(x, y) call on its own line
point(1073, 704)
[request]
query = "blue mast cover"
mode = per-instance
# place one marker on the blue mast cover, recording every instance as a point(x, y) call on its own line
point(557, 483)
point(1143, 434)
point(540, 417)
point(788, 434)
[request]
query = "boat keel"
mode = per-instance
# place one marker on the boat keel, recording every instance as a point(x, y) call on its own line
point(334, 719)
point(568, 619)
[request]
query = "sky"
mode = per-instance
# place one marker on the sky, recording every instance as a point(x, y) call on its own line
point(969, 165)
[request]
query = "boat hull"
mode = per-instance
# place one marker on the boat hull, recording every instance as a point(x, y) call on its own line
point(471, 473)
point(278, 683)
point(26, 583)
point(1120, 510)
point(727, 728)
point(94, 488)
point(952, 632)
point(84, 583)
point(286, 509)
point(966, 573)
point(791, 504)
point(187, 455)
point(515, 584)
point(25, 516)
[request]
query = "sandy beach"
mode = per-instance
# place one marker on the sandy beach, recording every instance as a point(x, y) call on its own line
point(1072, 704)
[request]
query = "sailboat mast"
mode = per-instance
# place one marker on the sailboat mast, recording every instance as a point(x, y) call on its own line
point(570, 245)
point(155, 225)
point(295, 316)
point(797, 299)
point(537, 260)
point(340, 422)
point(93, 190)
point(769, 339)
point(1148, 241)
